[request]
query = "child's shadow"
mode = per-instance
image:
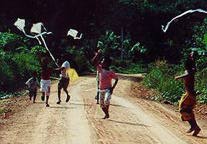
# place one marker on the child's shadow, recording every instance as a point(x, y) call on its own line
point(39, 102)
point(201, 137)
point(61, 107)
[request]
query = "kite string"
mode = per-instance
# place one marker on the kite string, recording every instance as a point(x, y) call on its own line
point(48, 50)
point(165, 28)
point(41, 35)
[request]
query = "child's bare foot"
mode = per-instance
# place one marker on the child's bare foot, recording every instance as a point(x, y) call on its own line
point(59, 102)
point(68, 98)
point(106, 116)
point(190, 130)
point(196, 132)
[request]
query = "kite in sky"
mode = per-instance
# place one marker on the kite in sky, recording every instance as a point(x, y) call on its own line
point(74, 33)
point(165, 28)
point(39, 30)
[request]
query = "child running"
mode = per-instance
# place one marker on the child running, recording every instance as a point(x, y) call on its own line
point(188, 100)
point(63, 81)
point(45, 80)
point(105, 82)
point(33, 85)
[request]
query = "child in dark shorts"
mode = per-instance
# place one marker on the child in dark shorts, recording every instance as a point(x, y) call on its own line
point(63, 84)
point(33, 85)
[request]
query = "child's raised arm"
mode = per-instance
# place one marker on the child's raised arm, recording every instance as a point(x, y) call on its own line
point(96, 58)
point(182, 76)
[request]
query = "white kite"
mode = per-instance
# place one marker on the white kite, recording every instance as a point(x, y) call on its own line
point(165, 28)
point(66, 65)
point(20, 24)
point(37, 29)
point(74, 34)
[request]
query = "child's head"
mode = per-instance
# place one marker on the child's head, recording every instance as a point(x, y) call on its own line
point(106, 62)
point(191, 56)
point(34, 74)
point(190, 62)
point(45, 61)
point(62, 68)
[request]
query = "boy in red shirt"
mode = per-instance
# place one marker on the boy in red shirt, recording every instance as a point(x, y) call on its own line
point(45, 80)
point(105, 82)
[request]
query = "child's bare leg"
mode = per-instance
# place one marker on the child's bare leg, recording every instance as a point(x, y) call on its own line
point(106, 111)
point(68, 96)
point(105, 108)
point(59, 93)
point(34, 97)
point(107, 103)
point(43, 96)
point(30, 95)
point(97, 97)
point(196, 128)
point(47, 97)
point(191, 126)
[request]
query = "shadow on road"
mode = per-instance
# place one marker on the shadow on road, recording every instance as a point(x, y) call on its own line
point(81, 104)
point(202, 137)
point(129, 123)
point(116, 105)
point(59, 107)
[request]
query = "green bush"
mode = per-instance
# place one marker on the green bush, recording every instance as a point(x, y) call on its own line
point(161, 77)
point(17, 62)
point(127, 67)
point(16, 68)
point(201, 84)
point(7, 37)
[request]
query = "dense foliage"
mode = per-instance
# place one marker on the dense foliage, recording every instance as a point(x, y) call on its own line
point(127, 30)
point(161, 77)
point(17, 62)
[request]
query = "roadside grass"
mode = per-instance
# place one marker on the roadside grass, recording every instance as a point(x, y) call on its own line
point(161, 78)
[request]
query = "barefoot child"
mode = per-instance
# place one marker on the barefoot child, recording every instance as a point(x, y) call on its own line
point(33, 85)
point(188, 100)
point(45, 81)
point(105, 82)
point(63, 81)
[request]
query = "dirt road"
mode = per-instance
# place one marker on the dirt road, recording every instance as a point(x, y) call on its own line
point(132, 120)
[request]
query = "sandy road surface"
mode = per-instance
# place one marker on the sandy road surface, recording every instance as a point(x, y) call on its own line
point(132, 120)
